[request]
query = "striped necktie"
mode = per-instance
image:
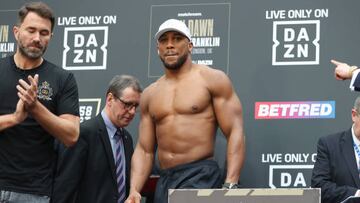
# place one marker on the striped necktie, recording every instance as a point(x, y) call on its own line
point(119, 163)
point(357, 150)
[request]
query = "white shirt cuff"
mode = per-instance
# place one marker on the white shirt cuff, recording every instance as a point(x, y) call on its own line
point(357, 193)
point(356, 72)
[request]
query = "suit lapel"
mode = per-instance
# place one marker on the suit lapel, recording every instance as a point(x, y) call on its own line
point(127, 149)
point(102, 133)
point(346, 145)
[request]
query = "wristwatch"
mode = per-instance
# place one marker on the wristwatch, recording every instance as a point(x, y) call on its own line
point(230, 185)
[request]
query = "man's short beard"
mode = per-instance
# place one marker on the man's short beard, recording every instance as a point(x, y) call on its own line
point(176, 65)
point(31, 54)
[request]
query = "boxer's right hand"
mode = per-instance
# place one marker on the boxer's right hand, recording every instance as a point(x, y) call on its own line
point(134, 197)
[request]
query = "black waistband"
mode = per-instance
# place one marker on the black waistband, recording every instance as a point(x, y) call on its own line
point(207, 162)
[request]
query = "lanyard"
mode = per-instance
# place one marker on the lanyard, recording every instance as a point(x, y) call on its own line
point(357, 150)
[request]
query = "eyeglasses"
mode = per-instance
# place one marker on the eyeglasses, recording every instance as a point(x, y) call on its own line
point(128, 105)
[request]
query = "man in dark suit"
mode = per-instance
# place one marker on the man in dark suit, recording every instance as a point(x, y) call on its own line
point(94, 170)
point(344, 72)
point(337, 166)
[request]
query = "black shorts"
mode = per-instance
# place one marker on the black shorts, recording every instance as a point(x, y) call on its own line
point(201, 174)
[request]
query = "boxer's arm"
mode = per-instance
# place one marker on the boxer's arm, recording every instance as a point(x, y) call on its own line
point(143, 157)
point(228, 110)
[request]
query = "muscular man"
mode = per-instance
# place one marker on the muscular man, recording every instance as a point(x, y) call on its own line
point(44, 98)
point(180, 113)
point(343, 72)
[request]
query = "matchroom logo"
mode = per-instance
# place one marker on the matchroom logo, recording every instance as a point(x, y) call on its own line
point(296, 42)
point(295, 110)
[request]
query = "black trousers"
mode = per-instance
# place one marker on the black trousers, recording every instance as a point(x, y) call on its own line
point(201, 174)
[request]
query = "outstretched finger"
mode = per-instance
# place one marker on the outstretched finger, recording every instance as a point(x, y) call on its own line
point(336, 62)
point(34, 81)
point(24, 84)
point(20, 89)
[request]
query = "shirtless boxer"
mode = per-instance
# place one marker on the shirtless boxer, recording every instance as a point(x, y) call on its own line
point(180, 113)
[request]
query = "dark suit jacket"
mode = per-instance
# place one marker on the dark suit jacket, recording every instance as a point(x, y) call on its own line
point(335, 170)
point(86, 172)
point(357, 83)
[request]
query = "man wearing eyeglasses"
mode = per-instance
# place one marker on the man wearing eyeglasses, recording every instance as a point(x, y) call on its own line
point(97, 169)
point(337, 167)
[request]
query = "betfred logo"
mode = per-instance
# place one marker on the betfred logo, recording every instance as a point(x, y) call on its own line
point(295, 110)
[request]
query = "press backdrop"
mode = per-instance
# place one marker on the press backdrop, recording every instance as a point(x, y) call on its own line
point(276, 52)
